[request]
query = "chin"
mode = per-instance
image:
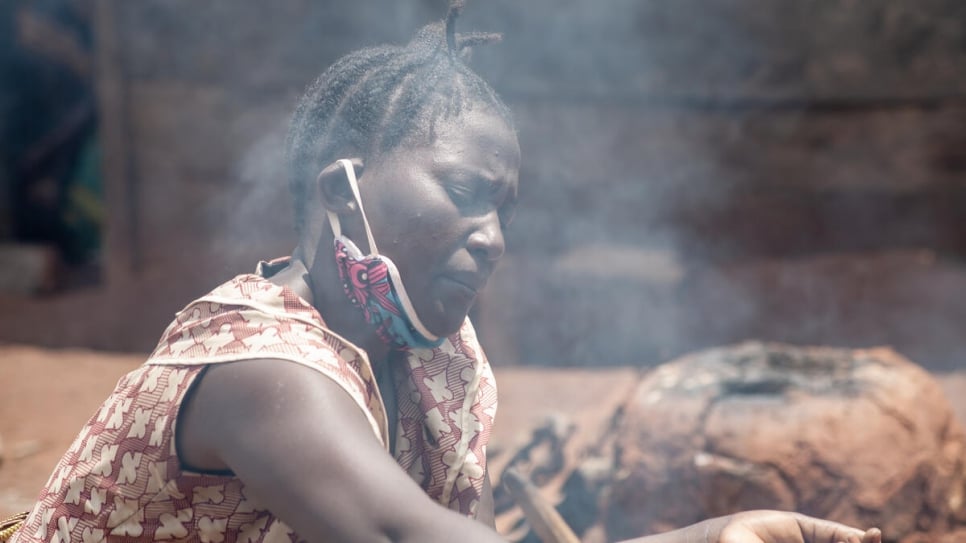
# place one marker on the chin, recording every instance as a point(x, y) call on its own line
point(446, 321)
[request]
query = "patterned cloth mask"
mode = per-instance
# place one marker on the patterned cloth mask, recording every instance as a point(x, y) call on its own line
point(373, 284)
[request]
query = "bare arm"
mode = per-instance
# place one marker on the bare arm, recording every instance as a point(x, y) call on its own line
point(304, 448)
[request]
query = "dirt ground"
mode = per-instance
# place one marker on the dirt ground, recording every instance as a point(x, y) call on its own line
point(47, 396)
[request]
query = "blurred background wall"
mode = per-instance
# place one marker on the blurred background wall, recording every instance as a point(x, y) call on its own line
point(695, 172)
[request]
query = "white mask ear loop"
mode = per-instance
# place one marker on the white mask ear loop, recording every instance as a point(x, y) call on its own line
point(350, 173)
point(333, 217)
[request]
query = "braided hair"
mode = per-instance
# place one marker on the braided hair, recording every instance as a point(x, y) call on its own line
point(378, 98)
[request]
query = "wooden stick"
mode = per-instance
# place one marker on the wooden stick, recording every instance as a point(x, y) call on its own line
point(546, 522)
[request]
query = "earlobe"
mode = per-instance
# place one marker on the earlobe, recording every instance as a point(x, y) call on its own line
point(333, 187)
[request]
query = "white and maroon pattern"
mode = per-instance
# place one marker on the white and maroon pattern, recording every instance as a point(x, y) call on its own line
point(121, 479)
point(446, 411)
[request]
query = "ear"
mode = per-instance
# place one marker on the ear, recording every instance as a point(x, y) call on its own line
point(333, 184)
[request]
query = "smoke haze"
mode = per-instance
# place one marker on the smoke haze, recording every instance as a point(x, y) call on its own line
point(695, 172)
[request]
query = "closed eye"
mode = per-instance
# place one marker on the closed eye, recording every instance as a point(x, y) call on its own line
point(460, 194)
point(480, 195)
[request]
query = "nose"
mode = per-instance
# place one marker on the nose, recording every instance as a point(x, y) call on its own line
point(486, 240)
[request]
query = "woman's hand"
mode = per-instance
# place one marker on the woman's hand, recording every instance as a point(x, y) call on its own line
point(781, 527)
point(765, 527)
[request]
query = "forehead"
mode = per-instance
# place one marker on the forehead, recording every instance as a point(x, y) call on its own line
point(478, 126)
point(474, 137)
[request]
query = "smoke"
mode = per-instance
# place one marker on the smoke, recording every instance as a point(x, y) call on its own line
point(694, 172)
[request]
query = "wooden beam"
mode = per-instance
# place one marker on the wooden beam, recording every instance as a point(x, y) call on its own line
point(121, 232)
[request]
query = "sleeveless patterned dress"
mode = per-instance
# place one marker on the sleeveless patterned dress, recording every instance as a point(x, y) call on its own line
point(121, 479)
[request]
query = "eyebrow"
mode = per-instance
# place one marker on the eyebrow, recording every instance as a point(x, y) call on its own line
point(460, 169)
point(497, 185)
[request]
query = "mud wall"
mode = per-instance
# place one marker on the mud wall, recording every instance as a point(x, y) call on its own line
point(695, 172)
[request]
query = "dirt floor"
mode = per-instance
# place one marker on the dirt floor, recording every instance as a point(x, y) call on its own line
point(47, 396)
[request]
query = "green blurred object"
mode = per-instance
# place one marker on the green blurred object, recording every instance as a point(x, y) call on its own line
point(83, 212)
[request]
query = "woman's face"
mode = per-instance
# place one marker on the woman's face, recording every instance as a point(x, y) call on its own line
point(439, 210)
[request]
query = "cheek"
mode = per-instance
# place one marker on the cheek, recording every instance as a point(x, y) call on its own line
point(426, 248)
point(434, 228)
point(420, 231)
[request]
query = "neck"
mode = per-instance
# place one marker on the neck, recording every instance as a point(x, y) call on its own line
point(321, 279)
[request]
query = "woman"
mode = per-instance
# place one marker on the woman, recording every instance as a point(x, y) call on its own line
point(283, 404)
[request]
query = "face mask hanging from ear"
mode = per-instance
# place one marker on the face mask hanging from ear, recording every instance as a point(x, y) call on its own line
point(372, 284)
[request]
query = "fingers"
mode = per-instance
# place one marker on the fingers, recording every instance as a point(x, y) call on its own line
point(872, 535)
point(824, 531)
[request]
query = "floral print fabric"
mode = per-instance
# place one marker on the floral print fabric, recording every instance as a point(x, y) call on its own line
point(121, 479)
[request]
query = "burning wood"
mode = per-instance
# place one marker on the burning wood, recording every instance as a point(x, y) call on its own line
point(546, 522)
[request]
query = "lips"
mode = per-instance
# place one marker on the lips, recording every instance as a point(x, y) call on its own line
point(471, 281)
